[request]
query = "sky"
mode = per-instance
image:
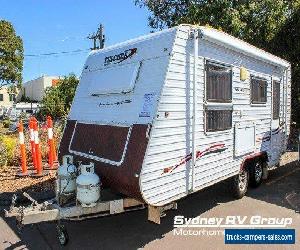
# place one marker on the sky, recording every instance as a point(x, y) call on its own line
point(48, 26)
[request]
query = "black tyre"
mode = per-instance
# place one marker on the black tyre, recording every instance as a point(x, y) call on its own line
point(62, 235)
point(256, 173)
point(240, 184)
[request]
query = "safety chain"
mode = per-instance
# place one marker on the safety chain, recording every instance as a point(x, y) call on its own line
point(19, 221)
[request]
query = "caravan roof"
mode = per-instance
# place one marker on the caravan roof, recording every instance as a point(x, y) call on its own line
point(215, 36)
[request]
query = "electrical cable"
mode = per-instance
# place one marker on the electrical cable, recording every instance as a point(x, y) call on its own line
point(56, 53)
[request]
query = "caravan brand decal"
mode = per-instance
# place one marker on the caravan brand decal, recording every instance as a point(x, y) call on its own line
point(119, 57)
point(210, 150)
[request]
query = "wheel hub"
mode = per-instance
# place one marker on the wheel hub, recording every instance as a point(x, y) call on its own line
point(257, 172)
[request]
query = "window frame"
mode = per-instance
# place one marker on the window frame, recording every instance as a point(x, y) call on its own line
point(274, 82)
point(251, 88)
point(213, 104)
point(207, 130)
point(218, 64)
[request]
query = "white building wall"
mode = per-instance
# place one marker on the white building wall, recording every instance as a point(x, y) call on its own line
point(35, 89)
point(5, 99)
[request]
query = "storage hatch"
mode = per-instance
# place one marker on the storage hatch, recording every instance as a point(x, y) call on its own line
point(105, 143)
point(244, 138)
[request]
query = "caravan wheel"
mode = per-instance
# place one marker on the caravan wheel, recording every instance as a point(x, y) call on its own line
point(240, 184)
point(256, 173)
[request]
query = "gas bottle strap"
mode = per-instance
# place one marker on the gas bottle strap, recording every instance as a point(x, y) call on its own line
point(87, 186)
point(66, 177)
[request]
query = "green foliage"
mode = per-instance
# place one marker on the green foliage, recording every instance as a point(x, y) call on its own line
point(255, 21)
point(26, 99)
point(58, 99)
point(11, 55)
point(8, 146)
point(6, 123)
point(286, 45)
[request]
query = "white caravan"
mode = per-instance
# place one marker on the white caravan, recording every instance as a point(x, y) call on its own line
point(172, 112)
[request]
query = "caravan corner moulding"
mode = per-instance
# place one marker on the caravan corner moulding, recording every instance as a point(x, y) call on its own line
point(169, 113)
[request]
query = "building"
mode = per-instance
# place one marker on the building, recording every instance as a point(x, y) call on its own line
point(6, 97)
point(35, 89)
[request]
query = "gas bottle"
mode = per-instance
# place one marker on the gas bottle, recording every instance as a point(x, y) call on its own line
point(88, 186)
point(66, 176)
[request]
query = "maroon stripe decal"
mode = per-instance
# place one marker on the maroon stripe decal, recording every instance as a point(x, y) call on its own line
point(210, 150)
point(268, 138)
point(264, 139)
point(276, 131)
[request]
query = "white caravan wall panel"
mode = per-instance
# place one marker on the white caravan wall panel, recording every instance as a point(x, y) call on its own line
point(152, 52)
point(171, 136)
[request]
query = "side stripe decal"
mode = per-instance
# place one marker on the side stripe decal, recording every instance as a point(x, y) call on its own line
point(210, 150)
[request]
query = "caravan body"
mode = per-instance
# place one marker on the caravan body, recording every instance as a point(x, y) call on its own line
point(167, 114)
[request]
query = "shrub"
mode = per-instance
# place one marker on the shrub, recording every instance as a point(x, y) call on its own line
point(6, 123)
point(58, 99)
point(8, 148)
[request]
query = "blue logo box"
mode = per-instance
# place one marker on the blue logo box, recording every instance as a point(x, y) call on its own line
point(259, 236)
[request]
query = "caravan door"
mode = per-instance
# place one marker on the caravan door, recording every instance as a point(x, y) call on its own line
point(277, 116)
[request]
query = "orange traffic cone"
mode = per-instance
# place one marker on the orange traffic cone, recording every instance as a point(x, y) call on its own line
point(31, 137)
point(24, 171)
point(38, 154)
point(51, 152)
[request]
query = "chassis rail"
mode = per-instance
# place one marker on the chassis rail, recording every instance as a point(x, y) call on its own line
point(51, 211)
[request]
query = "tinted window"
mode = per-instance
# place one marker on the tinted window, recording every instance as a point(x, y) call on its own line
point(258, 90)
point(217, 120)
point(276, 99)
point(218, 83)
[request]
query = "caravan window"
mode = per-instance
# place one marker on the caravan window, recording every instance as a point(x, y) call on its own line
point(218, 83)
point(218, 110)
point(258, 90)
point(112, 80)
point(276, 99)
point(218, 120)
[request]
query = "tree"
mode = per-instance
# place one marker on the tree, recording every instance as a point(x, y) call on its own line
point(11, 55)
point(255, 21)
point(58, 99)
point(289, 49)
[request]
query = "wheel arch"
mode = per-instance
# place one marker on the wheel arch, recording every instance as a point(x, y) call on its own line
point(262, 156)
